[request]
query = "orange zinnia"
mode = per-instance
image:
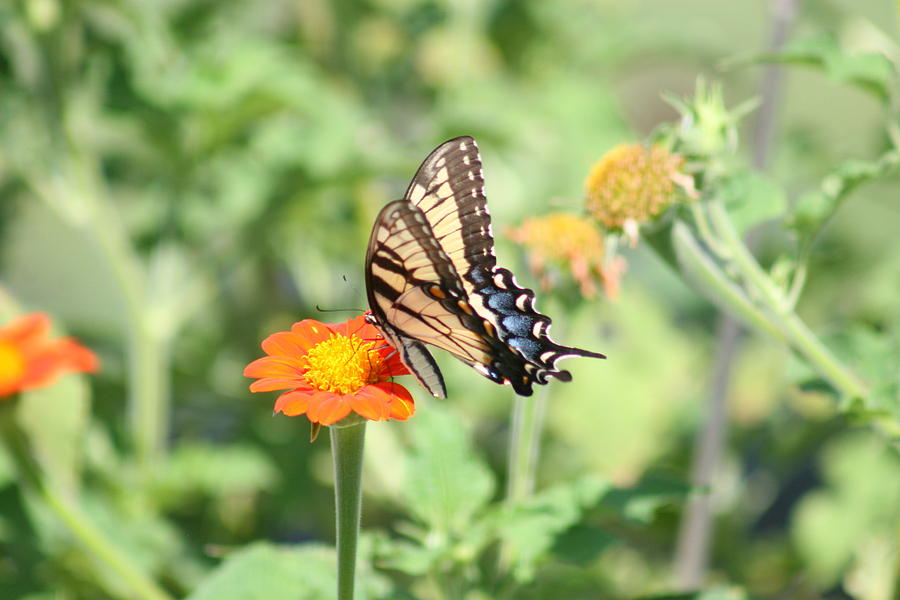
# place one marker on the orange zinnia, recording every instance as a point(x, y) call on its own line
point(29, 359)
point(332, 370)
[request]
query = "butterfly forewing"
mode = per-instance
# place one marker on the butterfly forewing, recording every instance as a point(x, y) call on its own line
point(449, 189)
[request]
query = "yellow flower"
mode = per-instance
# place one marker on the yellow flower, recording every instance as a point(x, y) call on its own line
point(632, 184)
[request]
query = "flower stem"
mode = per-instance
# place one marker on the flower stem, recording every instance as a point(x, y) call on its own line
point(524, 444)
point(722, 290)
point(347, 454)
point(77, 193)
point(139, 584)
point(797, 332)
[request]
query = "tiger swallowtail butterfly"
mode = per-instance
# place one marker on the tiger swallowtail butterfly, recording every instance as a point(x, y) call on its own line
point(432, 278)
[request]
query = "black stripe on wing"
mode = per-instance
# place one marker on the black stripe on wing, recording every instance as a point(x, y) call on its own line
point(449, 189)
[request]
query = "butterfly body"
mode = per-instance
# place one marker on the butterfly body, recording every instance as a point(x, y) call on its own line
point(432, 278)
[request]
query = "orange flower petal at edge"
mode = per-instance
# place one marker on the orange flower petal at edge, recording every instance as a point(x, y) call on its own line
point(26, 327)
point(287, 343)
point(272, 384)
point(372, 402)
point(328, 408)
point(356, 326)
point(311, 332)
point(55, 358)
point(402, 404)
point(273, 366)
point(295, 402)
point(75, 356)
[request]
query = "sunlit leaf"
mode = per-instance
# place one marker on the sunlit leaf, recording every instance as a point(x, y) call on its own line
point(447, 482)
point(812, 209)
point(531, 529)
point(266, 572)
point(870, 72)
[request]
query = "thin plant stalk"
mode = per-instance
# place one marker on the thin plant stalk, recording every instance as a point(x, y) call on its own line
point(71, 182)
point(140, 585)
point(798, 333)
point(524, 444)
point(693, 547)
point(76, 194)
point(347, 455)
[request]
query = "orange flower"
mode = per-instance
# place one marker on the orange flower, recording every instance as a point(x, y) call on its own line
point(572, 241)
point(29, 359)
point(332, 370)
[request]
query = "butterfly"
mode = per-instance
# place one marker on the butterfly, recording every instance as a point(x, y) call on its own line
point(432, 278)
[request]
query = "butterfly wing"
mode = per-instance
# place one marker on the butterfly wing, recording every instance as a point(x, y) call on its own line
point(449, 190)
point(417, 297)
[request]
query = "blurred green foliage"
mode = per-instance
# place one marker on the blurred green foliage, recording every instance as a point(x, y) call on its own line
point(180, 178)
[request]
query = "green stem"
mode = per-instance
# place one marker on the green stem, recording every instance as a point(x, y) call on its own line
point(139, 584)
point(721, 290)
point(347, 454)
point(77, 194)
point(798, 333)
point(524, 444)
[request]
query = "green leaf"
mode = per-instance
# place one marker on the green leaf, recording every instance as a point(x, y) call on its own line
point(857, 506)
point(214, 470)
point(57, 434)
point(874, 353)
point(581, 544)
point(814, 208)
point(870, 72)
point(265, 572)
point(447, 484)
point(531, 529)
point(641, 501)
point(406, 557)
point(753, 198)
point(719, 593)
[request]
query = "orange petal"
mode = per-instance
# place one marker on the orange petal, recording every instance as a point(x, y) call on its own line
point(402, 404)
point(295, 402)
point(393, 366)
point(76, 356)
point(273, 366)
point(328, 408)
point(270, 384)
point(356, 326)
point(372, 403)
point(26, 327)
point(311, 332)
point(52, 358)
point(285, 343)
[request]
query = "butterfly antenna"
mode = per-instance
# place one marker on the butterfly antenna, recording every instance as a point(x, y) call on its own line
point(333, 310)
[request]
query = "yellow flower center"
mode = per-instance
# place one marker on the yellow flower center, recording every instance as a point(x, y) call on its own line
point(12, 364)
point(632, 182)
point(343, 365)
